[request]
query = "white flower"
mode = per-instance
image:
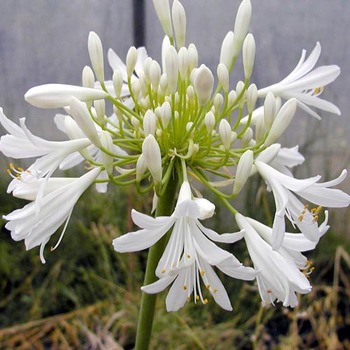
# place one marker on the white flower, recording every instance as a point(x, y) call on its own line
point(36, 227)
point(287, 204)
point(306, 84)
point(278, 275)
point(189, 254)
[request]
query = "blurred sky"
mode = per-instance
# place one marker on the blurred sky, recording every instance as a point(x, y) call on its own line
point(45, 41)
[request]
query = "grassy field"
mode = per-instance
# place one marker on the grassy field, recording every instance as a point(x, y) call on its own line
point(87, 296)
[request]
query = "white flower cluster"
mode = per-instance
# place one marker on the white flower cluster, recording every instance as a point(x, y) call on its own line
point(172, 124)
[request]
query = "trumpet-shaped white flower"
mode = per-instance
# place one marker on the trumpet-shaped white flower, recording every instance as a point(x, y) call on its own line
point(287, 204)
point(189, 254)
point(278, 275)
point(305, 84)
point(36, 227)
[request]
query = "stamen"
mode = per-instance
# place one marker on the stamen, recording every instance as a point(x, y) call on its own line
point(318, 90)
point(184, 287)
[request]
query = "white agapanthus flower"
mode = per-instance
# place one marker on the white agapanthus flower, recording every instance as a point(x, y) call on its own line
point(285, 188)
point(56, 205)
point(189, 254)
point(306, 83)
point(279, 277)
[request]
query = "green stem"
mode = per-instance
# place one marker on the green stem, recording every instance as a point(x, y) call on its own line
point(165, 206)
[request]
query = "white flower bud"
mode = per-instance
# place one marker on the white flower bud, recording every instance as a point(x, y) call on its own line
point(218, 101)
point(81, 115)
point(131, 59)
point(223, 76)
point(225, 133)
point(179, 23)
point(226, 56)
point(248, 55)
point(141, 167)
point(100, 107)
point(203, 84)
point(246, 138)
point(153, 158)
point(183, 62)
point(117, 82)
point(281, 122)
point(171, 68)
point(96, 55)
point(244, 168)
point(163, 12)
point(163, 83)
point(209, 121)
point(192, 57)
point(232, 96)
point(260, 130)
point(190, 93)
point(135, 123)
point(147, 69)
point(58, 95)
point(88, 78)
point(107, 143)
point(149, 122)
point(166, 116)
point(252, 96)
point(269, 110)
point(241, 25)
point(155, 73)
point(136, 88)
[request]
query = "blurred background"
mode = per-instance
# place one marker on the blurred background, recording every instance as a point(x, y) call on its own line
point(45, 41)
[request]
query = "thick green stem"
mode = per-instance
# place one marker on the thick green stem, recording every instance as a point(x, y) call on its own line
point(165, 206)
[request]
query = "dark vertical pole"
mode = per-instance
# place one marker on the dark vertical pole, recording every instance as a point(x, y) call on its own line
point(139, 22)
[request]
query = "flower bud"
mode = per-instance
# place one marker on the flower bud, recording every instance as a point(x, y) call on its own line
point(183, 62)
point(209, 121)
point(241, 25)
point(282, 121)
point(149, 122)
point(131, 59)
point(117, 82)
point(244, 167)
point(223, 76)
point(100, 107)
point(226, 56)
point(135, 123)
point(163, 83)
point(152, 157)
point(260, 130)
point(248, 55)
point(147, 70)
point(96, 55)
point(232, 97)
point(81, 115)
point(171, 68)
point(225, 133)
point(247, 137)
point(88, 78)
point(166, 116)
point(203, 84)
point(252, 96)
point(163, 12)
point(58, 95)
point(141, 167)
point(179, 23)
point(107, 143)
point(218, 102)
point(192, 57)
point(155, 73)
point(269, 110)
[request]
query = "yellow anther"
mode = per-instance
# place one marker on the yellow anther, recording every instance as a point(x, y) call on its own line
point(301, 217)
point(318, 90)
point(163, 271)
point(202, 273)
point(184, 287)
point(315, 219)
point(188, 256)
point(215, 290)
point(207, 286)
point(205, 301)
point(197, 297)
